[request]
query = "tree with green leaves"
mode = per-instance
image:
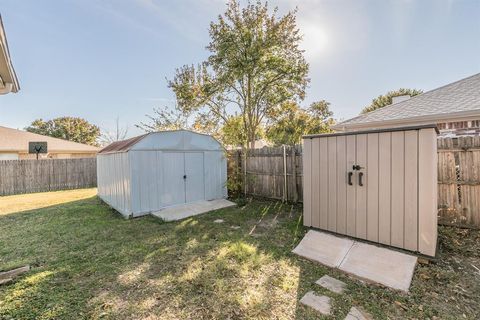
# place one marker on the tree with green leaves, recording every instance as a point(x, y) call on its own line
point(255, 65)
point(291, 122)
point(386, 99)
point(67, 128)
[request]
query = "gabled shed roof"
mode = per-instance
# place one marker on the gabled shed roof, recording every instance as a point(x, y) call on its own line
point(123, 145)
point(165, 140)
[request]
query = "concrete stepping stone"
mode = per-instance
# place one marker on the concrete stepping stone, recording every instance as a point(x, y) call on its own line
point(218, 221)
point(356, 314)
point(235, 227)
point(388, 267)
point(319, 303)
point(331, 284)
point(325, 248)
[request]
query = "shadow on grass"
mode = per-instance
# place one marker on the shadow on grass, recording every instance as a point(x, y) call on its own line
point(89, 262)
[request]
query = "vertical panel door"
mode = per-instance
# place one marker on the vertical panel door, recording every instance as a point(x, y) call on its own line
point(173, 181)
point(194, 180)
point(351, 185)
point(361, 184)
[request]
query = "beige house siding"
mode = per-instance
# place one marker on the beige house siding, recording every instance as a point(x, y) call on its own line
point(9, 156)
point(392, 196)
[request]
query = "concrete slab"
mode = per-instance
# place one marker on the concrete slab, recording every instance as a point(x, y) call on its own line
point(183, 211)
point(356, 314)
point(319, 303)
point(324, 248)
point(218, 221)
point(388, 267)
point(331, 284)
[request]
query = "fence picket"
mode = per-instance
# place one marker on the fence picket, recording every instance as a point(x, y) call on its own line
point(458, 176)
point(26, 176)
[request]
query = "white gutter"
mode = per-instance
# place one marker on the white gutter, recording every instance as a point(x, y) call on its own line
point(427, 119)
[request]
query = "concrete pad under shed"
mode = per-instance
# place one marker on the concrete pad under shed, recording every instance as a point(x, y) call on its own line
point(381, 265)
point(319, 303)
point(324, 248)
point(186, 210)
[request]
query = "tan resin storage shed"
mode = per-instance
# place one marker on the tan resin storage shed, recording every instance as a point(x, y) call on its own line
point(377, 185)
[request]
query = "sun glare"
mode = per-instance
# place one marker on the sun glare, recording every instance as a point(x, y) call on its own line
point(315, 39)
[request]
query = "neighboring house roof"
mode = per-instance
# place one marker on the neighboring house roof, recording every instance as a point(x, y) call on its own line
point(8, 78)
point(455, 100)
point(13, 140)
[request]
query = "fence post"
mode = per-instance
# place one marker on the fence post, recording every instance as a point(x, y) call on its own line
point(285, 191)
point(245, 152)
point(294, 174)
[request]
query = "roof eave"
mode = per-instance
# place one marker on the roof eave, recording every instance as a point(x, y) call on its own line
point(427, 119)
point(8, 60)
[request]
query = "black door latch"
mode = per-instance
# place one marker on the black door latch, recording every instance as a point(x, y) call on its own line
point(184, 176)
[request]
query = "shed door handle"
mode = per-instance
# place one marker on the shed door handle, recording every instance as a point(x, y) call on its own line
point(350, 174)
point(184, 176)
point(360, 179)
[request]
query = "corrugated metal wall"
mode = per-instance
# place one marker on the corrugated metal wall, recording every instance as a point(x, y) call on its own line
point(157, 178)
point(392, 195)
point(113, 175)
point(150, 175)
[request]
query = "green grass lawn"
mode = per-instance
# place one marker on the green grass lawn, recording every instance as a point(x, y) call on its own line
point(88, 262)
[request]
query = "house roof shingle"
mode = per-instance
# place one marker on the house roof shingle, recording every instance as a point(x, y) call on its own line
point(13, 140)
point(456, 97)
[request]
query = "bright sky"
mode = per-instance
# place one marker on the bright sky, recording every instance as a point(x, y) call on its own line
point(107, 58)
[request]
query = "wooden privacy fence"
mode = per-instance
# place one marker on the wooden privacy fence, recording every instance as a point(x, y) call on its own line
point(270, 172)
point(26, 176)
point(459, 180)
point(264, 173)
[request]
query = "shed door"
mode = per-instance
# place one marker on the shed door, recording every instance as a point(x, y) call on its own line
point(194, 172)
point(173, 181)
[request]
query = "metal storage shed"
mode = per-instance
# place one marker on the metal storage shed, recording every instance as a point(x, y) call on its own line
point(144, 174)
point(377, 185)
